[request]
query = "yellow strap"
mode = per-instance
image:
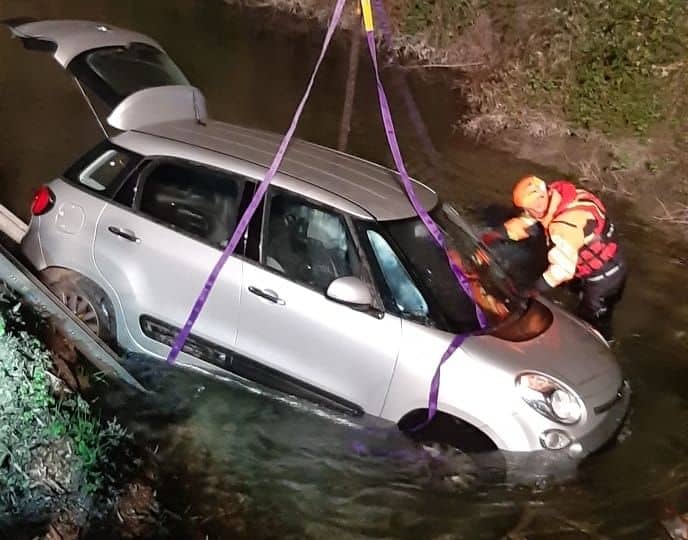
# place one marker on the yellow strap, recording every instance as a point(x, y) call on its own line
point(367, 15)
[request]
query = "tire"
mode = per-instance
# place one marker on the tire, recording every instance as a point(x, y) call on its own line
point(85, 300)
point(477, 459)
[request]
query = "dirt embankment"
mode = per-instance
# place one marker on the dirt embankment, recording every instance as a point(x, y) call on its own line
point(593, 89)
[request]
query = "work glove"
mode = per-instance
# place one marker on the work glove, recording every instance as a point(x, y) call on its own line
point(520, 228)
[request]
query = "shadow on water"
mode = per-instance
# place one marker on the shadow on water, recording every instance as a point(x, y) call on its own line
point(253, 465)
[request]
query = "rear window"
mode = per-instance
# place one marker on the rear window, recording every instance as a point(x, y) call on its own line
point(140, 66)
point(103, 169)
point(114, 73)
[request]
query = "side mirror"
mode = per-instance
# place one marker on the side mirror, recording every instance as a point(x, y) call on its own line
point(351, 291)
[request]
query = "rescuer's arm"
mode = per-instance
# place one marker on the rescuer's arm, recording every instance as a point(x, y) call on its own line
point(518, 228)
point(567, 237)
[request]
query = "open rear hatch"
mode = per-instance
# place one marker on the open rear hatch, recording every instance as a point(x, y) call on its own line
point(127, 78)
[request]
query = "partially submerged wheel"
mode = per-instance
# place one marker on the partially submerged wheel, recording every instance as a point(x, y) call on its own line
point(456, 468)
point(86, 301)
point(469, 452)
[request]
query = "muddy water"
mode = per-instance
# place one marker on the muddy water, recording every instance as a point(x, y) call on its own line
point(238, 463)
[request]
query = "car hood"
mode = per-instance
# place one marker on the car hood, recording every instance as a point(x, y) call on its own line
point(568, 350)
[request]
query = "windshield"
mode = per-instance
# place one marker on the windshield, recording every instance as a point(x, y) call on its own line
point(490, 285)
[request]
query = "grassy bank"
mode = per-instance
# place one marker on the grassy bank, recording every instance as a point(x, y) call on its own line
point(600, 87)
point(55, 454)
point(618, 66)
point(592, 88)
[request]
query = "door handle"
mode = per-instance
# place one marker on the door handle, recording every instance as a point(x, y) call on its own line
point(267, 294)
point(124, 233)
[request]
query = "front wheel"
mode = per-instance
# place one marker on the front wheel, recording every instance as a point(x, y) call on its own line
point(474, 456)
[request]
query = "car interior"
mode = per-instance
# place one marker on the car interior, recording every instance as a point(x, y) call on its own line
point(195, 200)
point(307, 244)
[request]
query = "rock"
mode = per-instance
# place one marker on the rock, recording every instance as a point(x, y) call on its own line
point(54, 469)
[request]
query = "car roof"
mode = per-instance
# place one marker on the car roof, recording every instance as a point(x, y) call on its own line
point(373, 188)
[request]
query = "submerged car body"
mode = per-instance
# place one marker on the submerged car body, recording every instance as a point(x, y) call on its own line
point(336, 291)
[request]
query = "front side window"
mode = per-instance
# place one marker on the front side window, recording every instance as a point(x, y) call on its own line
point(198, 201)
point(427, 264)
point(407, 298)
point(307, 243)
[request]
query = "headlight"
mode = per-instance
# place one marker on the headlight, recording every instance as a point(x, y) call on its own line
point(549, 398)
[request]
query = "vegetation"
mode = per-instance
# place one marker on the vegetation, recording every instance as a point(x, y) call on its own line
point(54, 454)
point(611, 72)
point(617, 64)
point(614, 65)
point(440, 21)
point(599, 83)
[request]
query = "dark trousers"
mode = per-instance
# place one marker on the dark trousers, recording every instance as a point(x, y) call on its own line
point(599, 295)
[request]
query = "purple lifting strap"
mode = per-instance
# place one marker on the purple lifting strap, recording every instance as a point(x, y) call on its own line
point(257, 197)
point(432, 227)
point(406, 183)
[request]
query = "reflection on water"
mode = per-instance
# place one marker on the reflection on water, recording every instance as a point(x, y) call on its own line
point(260, 466)
point(322, 473)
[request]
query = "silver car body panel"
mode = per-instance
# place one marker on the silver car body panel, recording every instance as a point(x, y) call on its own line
point(149, 105)
point(478, 381)
point(31, 244)
point(163, 283)
point(65, 245)
point(73, 37)
point(345, 352)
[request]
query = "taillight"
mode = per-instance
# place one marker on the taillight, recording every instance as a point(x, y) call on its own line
point(43, 201)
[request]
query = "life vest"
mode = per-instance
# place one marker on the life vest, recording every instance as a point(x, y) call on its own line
point(600, 241)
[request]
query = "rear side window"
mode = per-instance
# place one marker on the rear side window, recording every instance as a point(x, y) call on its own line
point(103, 169)
point(195, 200)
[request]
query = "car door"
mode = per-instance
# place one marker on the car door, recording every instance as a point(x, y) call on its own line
point(126, 77)
point(288, 324)
point(156, 245)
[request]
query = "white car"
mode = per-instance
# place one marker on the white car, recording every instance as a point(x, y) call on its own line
point(336, 293)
